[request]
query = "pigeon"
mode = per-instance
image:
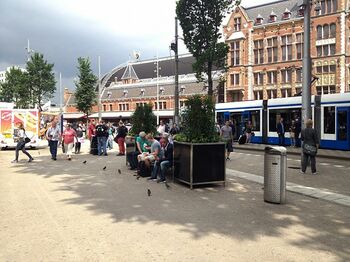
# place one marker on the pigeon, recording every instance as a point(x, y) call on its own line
point(84, 162)
point(119, 171)
point(166, 185)
point(104, 168)
point(149, 192)
point(138, 177)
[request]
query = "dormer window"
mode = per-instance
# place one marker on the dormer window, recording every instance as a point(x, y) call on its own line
point(259, 20)
point(142, 91)
point(161, 90)
point(301, 11)
point(286, 14)
point(125, 93)
point(182, 89)
point(237, 24)
point(273, 17)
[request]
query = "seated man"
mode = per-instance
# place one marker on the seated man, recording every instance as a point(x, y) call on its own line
point(166, 160)
point(149, 158)
point(141, 142)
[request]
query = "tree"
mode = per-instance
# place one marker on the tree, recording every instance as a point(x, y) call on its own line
point(85, 95)
point(41, 79)
point(143, 119)
point(14, 89)
point(201, 22)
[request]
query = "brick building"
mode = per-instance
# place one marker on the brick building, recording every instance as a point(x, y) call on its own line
point(266, 49)
point(127, 86)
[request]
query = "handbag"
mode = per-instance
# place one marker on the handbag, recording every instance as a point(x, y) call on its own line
point(26, 140)
point(309, 149)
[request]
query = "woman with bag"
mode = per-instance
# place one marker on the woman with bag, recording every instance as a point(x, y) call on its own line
point(68, 140)
point(22, 141)
point(310, 144)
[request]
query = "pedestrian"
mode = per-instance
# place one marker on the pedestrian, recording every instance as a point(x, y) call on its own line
point(53, 136)
point(226, 135)
point(281, 132)
point(161, 128)
point(80, 138)
point(122, 131)
point(22, 140)
point(68, 140)
point(102, 135)
point(297, 132)
point(292, 133)
point(91, 129)
point(110, 136)
point(310, 143)
point(248, 131)
point(174, 130)
point(232, 124)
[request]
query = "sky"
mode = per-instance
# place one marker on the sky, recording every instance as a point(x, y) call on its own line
point(64, 30)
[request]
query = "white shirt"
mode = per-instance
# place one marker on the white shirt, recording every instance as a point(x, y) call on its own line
point(161, 129)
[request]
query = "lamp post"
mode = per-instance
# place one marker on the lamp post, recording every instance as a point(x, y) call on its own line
point(176, 92)
point(306, 89)
point(99, 89)
point(157, 64)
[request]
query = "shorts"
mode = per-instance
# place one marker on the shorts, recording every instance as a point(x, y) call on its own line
point(148, 156)
point(229, 146)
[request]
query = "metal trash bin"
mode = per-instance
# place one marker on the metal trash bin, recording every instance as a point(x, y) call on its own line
point(275, 170)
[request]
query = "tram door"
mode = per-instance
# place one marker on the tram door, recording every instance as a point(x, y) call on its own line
point(343, 127)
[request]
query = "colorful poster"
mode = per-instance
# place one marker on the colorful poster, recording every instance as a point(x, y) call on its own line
point(32, 121)
point(6, 122)
point(19, 117)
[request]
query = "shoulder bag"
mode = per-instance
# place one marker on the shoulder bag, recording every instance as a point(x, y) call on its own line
point(309, 150)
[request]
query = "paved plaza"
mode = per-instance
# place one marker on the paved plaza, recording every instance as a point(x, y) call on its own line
point(70, 211)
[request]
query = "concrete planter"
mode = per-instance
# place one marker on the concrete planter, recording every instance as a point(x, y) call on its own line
point(199, 164)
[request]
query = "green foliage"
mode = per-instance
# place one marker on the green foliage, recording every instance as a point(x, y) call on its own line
point(201, 21)
point(199, 121)
point(15, 89)
point(40, 81)
point(85, 95)
point(143, 119)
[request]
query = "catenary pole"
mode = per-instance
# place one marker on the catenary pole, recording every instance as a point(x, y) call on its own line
point(306, 90)
point(176, 91)
point(99, 89)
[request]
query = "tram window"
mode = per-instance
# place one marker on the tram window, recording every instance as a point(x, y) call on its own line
point(329, 120)
point(255, 119)
point(287, 114)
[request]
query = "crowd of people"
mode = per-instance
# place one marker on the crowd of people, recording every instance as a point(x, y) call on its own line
point(154, 156)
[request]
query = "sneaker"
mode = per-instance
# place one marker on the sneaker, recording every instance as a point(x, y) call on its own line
point(314, 173)
point(14, 161)
point(150, 178)
point(30, 160)
point(161, 181)
point(302, 173)
point(227, 158)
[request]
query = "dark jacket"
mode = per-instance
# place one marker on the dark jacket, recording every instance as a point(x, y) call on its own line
point(279, 128)
point(168, 153)
point(309, 136)
point(101, 130)
point(122, 131)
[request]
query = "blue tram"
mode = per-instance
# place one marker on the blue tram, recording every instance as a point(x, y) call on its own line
point(331, 114)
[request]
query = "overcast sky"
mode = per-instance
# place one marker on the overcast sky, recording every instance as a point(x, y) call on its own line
point(63, 30)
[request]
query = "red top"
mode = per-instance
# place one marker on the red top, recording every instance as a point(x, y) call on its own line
point(68, 136)
point(91, 130)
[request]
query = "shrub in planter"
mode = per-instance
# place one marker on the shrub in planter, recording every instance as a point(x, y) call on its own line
point(199, 157)
point(143, 119)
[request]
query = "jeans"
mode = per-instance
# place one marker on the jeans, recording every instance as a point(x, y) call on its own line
point(281, 139)
point(102, 145)
point(155, 170)
point(132, 159)
point(164, 165)
point(53, 148)
point(21, 146)
point(305, 161)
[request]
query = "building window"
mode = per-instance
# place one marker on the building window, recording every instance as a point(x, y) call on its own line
point(328, 6)
point(259, 20)
point(286, 92)
point(104, 107)
point(286, 14)
point(286, 76)
point(237, 24)
point(299, 75)
point(299, 45)
point(234, 79)
point(162, 105)
point(325, 50)
point(324, 90)
point(235, 46)
point(123, 107)
point(259, 78)
point(259, 51)
point(272, 77)
point(326, 31)
point(286, 47)
point(258, 95)
point(272, 50)
point(273, 17)
point(183, 103)
point(271, 94)
point(110, 107)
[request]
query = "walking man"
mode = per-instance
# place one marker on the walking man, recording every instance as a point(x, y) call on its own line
point(53, 135)
point(102, 135)
point(226, 135)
